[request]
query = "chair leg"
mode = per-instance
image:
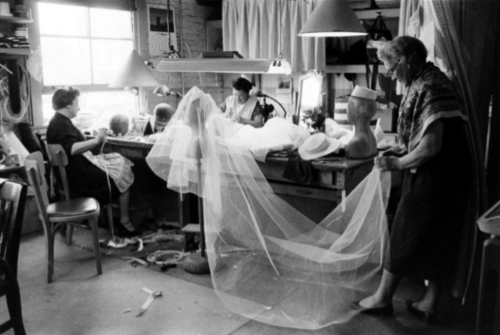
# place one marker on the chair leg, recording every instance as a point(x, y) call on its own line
point(50, 256)
point(13, 297)
point(15, 310)
point(69, 234)
point(95, 238)
point(109, 211)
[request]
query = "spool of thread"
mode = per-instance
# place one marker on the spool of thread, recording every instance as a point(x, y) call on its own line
point(21, 32)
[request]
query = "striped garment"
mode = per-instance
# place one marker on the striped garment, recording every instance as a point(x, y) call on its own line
point(429, 97)
point(116, 166)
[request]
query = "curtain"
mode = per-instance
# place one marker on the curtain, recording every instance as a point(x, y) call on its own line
point(458, 34)
point(253, 28)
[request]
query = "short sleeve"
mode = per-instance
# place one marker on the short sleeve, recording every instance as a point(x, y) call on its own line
point(257, 111)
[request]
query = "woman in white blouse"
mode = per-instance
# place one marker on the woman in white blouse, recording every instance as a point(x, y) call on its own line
point(241, 107)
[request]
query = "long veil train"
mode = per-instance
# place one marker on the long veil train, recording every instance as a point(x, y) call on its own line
point(268, 261)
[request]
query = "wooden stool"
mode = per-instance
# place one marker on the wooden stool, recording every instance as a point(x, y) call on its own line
point(488, 311)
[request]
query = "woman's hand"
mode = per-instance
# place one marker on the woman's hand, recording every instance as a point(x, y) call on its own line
point(388, 163)
point(101, 135)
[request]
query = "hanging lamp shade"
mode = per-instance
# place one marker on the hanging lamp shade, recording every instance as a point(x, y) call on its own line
point(332, 18)
point(280, 66)
point(134, 73)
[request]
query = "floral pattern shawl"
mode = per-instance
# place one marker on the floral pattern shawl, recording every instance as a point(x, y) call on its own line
point(430, 96)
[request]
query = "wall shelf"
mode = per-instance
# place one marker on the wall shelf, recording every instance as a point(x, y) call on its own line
point(14, 19)
point(16, 51)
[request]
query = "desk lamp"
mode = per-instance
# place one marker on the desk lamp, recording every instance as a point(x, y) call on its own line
point(134, 74)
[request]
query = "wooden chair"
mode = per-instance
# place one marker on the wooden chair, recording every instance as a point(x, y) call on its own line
point(69, 212)
point(12, 201)
point(59, 160)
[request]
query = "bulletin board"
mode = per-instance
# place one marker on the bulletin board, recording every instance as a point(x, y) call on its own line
point(162, 32)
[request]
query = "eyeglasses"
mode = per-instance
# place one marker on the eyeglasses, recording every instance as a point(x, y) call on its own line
point(390, 72)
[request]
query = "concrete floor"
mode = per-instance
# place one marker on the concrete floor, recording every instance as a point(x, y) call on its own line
point(80, 302)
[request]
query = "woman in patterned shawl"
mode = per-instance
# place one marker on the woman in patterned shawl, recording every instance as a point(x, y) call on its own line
point(433, 159)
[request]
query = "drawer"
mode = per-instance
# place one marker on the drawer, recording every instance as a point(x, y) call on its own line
point(304, 191)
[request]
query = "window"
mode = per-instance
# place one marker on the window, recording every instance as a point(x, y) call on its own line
point(81, 47)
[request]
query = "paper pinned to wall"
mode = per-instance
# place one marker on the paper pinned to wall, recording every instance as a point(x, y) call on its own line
point(162, 32)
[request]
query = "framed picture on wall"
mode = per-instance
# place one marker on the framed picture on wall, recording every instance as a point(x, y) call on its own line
point(162, 32)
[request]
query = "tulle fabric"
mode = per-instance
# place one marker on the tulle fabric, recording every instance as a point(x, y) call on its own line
point(268, 261)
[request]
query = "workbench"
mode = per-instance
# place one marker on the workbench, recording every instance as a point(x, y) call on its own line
point(332, 178)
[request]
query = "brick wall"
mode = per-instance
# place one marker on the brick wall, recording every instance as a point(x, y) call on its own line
point(190, 21)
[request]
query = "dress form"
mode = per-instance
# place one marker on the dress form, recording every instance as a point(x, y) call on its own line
point(359, 113)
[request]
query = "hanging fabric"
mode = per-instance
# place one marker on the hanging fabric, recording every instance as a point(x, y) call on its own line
point(252, 28)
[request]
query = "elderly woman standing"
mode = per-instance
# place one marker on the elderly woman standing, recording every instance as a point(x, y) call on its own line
point(435, 163)
point(241, 107)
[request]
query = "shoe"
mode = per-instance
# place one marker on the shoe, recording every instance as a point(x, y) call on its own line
point(129, 226)
point(380, 311)
point(426, 317)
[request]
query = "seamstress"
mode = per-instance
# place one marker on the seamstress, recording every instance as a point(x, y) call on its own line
point(241, 107)
point(435, 163)
point(85, 178)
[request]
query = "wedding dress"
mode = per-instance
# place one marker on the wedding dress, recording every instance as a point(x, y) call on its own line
point(268, 261)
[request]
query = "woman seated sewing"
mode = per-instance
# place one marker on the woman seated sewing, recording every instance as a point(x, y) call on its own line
point(88, 174)
point(241, 107)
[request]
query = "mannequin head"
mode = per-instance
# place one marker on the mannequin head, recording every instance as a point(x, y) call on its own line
point(162, 114)
point(360, 110)
point(119, 124)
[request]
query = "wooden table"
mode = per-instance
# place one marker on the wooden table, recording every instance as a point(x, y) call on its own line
point(332, 178)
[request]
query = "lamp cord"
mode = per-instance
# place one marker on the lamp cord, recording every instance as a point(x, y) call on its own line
point(280, 31)
point(168, 22)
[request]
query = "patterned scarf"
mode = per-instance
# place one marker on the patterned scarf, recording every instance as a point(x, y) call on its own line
point(430, 96)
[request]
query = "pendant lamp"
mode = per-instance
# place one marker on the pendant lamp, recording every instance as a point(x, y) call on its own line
point(280, 65)
point(332, 18)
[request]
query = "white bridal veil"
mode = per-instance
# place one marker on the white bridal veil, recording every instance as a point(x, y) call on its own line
point(269, 262)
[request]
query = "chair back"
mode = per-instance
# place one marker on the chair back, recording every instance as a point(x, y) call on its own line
point(12, 202)
point(58, 158)
point(35, 170)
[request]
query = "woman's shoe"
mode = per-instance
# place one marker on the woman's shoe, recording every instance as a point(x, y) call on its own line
point(381, 311)
point(129, 226)
point(426, 317)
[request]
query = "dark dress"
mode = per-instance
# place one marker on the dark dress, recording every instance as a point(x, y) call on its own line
point(424, 237)
point(84, 178)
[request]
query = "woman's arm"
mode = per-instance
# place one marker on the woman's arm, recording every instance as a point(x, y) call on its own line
point(428, 147)
point(81, 147)
point(258, 118)
point(256, 122)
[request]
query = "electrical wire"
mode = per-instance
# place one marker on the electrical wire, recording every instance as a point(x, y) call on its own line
point(155, 257)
